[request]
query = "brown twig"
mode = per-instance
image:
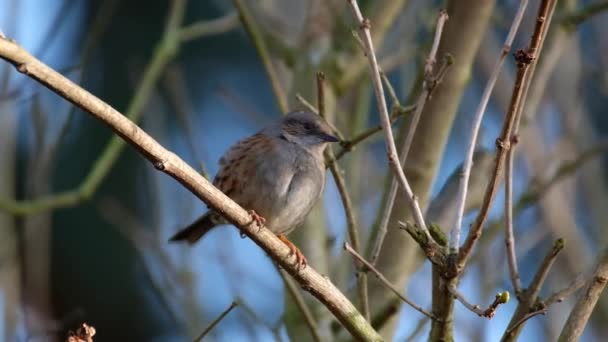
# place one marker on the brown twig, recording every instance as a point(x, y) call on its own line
point(500, 298)
point(171, 164)
point(509, 237)
point(526, 60)
point(478, 117)
point(348, 145)
point(216, 321)
point(386, 283)
point(393, 158)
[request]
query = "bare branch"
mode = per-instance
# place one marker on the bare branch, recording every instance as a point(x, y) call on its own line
point(216, 321)
point(386, 283)
point(500, 298)
point(348, 145)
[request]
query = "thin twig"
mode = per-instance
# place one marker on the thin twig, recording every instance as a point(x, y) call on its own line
point(526, 61)
point(500, 298)
point(169, 163)
point(391, 90)
point(427, 87)
point(349, 212)
point(509, 238)
point(260, 45)
point(309, 318)
point(417, 330)
point(216, 321)
point(543, 271)
point(454, 240)
point(211, 27)
point(364, 27)
point(524, 319)
point(564, 293)
point(307, 104)
point(386, 283)
point(348, 145)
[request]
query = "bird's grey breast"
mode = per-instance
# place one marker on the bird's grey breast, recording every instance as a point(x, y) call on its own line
point(303, 189)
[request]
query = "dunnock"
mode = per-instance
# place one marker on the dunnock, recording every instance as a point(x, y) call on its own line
point(277, 174)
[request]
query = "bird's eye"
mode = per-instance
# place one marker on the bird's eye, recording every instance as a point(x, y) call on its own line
point(308, 126)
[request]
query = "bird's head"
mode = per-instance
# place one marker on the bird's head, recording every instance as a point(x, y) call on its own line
point(307, 129)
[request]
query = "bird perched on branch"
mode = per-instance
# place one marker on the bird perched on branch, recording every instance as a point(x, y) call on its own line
point(278, 174)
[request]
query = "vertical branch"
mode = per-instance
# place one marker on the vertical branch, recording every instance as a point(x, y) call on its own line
point(525, 69)
point(393, 158)
point(509, 238)
point(479, 113)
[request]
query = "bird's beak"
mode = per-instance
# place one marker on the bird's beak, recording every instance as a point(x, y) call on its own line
point(328, 138)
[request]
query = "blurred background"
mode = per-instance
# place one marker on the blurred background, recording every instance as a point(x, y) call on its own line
point(84, 220)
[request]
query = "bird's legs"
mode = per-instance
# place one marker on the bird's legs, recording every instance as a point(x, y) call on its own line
point(300, 258)
point(257, 219)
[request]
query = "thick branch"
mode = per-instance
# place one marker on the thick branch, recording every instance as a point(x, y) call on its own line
point(583, 308)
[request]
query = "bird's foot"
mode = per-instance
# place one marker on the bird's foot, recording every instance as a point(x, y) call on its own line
point(300, 258)
point(257, 219)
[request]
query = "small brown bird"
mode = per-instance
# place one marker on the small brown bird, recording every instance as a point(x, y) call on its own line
point(277, 174)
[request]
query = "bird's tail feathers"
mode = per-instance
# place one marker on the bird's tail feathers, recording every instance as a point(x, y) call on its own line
point(196, 230)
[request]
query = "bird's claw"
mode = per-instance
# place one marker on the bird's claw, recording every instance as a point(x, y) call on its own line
point(301, 261)
point(257, 219)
